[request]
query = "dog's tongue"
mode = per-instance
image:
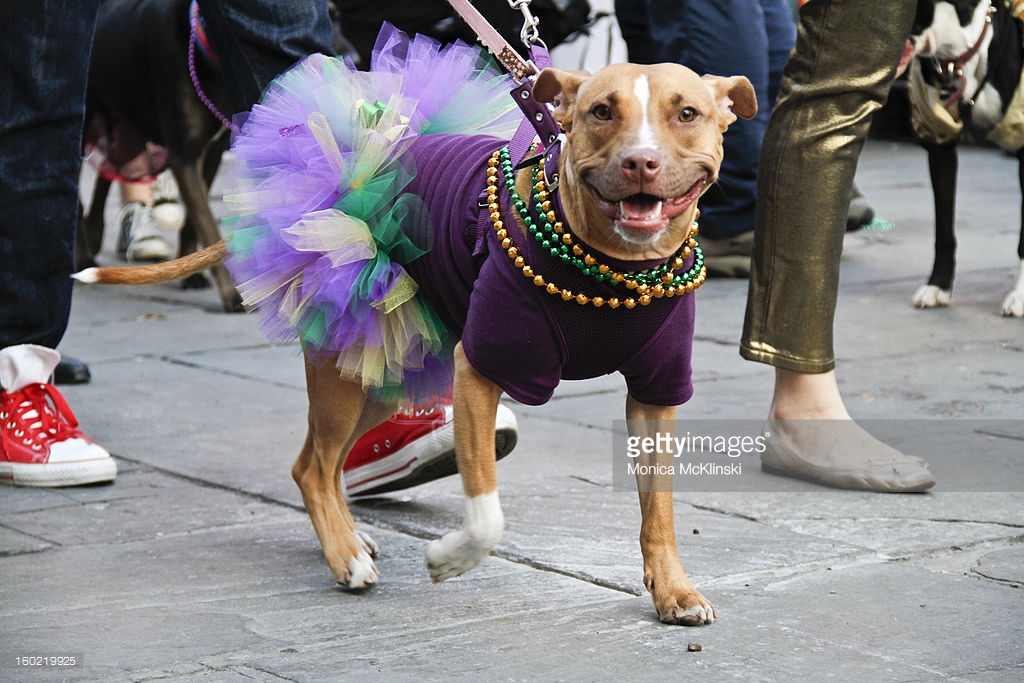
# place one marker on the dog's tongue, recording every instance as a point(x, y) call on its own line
point(640, 208)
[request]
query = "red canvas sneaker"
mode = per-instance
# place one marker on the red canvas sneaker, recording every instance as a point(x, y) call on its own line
point(40, 444)
point(413, 447)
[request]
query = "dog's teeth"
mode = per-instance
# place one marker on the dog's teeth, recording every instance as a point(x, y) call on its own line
point(654, 212)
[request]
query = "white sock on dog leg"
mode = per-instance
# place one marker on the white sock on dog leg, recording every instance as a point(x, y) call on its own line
point(485, 521)
point(459, 551)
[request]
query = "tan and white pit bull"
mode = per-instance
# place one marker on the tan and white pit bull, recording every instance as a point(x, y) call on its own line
point(642, 143)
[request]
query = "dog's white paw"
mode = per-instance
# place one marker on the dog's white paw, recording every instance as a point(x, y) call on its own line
point(1013, 304)
point(460, 551)
point(360, 574)
point(454, 554)
point(930, 296)
point(369, 545)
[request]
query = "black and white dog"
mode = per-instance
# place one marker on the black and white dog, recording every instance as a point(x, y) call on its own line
point(966, 73)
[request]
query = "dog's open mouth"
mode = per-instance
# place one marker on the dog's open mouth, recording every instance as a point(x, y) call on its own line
point(647, 212)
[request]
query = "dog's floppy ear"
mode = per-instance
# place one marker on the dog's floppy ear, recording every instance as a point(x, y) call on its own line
point(559, 87)
point(734, 96)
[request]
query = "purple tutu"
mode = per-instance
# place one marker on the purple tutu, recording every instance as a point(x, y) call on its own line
point(323, 227)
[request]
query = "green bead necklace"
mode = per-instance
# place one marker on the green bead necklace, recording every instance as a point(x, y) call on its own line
point(553, 236)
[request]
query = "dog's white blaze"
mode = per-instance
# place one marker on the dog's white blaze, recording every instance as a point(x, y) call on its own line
point(645, 134)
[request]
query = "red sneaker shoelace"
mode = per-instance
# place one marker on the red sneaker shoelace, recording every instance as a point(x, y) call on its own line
point(35, 417)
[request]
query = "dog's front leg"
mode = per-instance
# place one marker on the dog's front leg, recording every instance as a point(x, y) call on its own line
point(675, 598)
point(942, 166)
point(1013, 304)
point(475, 402)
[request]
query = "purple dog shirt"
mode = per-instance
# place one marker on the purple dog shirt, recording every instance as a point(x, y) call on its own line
point(515, 333)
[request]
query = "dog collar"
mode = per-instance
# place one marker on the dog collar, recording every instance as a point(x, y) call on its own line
point(954, 68)
point(202, 39)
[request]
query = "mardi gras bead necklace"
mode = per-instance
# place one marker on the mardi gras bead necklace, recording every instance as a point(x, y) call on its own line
point(653, 283)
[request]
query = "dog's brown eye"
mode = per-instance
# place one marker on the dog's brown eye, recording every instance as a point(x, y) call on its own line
point(602, 112)
point(687, 114)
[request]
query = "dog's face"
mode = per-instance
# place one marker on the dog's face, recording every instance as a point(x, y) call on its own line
point(947, 29)
point(642, 144)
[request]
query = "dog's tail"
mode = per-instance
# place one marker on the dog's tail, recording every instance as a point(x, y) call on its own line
point(159, 272)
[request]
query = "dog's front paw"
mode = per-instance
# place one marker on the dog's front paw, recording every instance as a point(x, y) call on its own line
point(1013, 304)
point(360, 572)
point(688, 608)
point(678, 602)
point(930, 296)
point(454, 554)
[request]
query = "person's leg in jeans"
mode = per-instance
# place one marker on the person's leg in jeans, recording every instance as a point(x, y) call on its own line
point(257, 40)
point(732, 37)
point(44, 53)
point(839, 74)
point(44, 60)
point(631, 16)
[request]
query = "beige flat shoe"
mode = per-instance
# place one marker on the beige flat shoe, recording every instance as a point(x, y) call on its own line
point(885, 470)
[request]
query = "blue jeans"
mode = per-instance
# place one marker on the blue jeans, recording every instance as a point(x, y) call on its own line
point(44, 59)
point(749, 38)
point(44, 62)
point(256, 40)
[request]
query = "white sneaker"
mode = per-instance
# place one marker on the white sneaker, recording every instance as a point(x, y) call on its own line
point(168, 212)
point(139, 238)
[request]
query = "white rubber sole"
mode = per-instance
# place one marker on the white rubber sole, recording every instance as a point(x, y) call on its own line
point(48, 475)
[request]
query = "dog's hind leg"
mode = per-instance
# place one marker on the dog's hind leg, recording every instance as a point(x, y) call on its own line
point(1013, 304)
point(475, 402)
point(339, 413)
point(194, 194)
point(942, 166)
point(675, 598)
point(188, 241)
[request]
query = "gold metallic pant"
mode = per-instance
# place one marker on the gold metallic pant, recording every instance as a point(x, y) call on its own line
point(838, 74)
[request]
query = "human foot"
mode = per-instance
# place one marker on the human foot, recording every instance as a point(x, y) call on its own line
point(840, 454)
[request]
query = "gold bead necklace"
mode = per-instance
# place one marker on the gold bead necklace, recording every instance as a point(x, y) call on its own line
point(556, 238)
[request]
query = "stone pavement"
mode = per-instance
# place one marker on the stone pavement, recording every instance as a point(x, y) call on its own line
point(200, 563)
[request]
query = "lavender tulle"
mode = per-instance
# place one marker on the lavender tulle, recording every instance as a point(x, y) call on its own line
point(323, 226)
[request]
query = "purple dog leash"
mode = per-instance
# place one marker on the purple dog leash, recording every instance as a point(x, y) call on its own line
point(198, 35)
